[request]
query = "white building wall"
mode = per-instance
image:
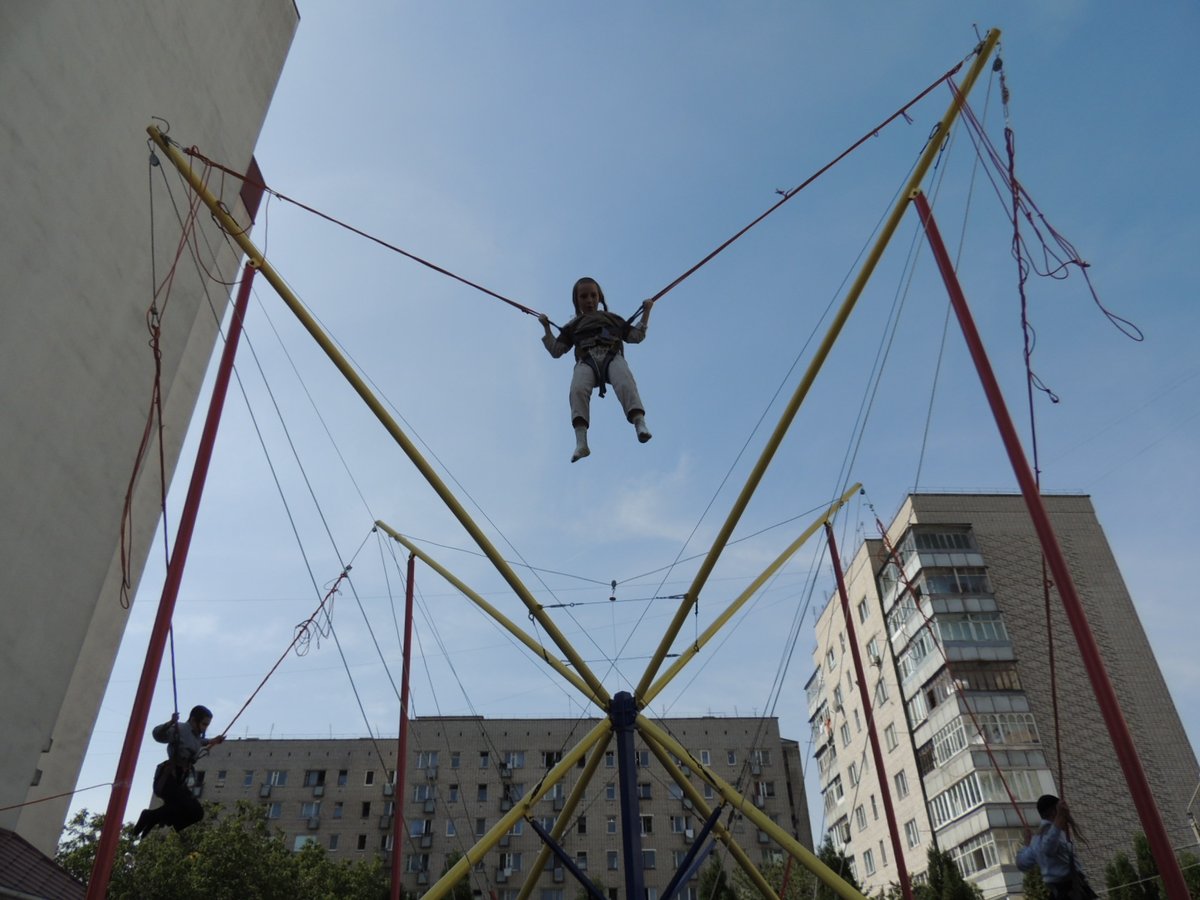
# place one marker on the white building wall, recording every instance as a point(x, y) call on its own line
point(81, 81)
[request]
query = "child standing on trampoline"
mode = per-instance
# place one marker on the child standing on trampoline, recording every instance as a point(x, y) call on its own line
point(598, 338)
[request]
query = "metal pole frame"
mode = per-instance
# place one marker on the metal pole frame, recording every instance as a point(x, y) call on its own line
point(864, 697)
point(127, 763)
point(399, 832)
point(1089, 650)
point(983, 53)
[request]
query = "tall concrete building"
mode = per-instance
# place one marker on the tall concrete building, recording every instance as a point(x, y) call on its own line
point(960, 682)
point(463, 774)
point(81, 262)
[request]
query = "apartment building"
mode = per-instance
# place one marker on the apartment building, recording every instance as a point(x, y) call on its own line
point(464, 773)
point(952, 629)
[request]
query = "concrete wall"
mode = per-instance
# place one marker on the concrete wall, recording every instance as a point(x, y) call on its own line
point(81, 81)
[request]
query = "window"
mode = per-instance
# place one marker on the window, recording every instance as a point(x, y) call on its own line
point(864, 610)
point(708, 791)
point(551, 894)
point(830, 660)
point(333, 841)
point(414, 862)
point(581, 825)
point(959, 798)
point(874, 809)
point(857, 722)
point(515, 759)
point(869, 861)
point(610, 759)
point(485, 759)
point(834, 793)
point(551, 758)
point(610, 791)
point(882, 854)
point(889, 737)
point(369, 778)
point(912, 833)
point(427, 759)
point(881, 692)
point(343, 777)
point(247, 777)
point(557, 791)
point(581, 860)
point(731, 757)
point(610, 824)
point(274, 810)
point(310, 809)
point(518, 828)
point(852, 772)
point(647, 824)
point(974, 627)
point(762, 757)
point(860, 818)
point(705, 758)
point(842, 641)
point(480, 827)
point(510, 861)
point(481, 793)
point(451, 830)
point(648, 859)
point(644, 790)
point(453, 794)
point(845, 732)
point(901, 780)
point(423, 792)
point(837, 697)
point(337, 809)
point(680, 824)
point(612, 860)
point(418, 827)
point(642, 759)
point(277, 777)
point(366, 809)
point(674, 791)
point(314, 777)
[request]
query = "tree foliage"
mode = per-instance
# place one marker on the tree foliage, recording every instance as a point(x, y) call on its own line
point(1137, 878)
point(944, 881)
point(233, 853)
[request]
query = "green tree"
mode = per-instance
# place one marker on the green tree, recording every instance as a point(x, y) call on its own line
point(715, 883)
point(1151, 885)
point(1120, 877)
point(1190, 864)
point(944, 881)
point(233, 853)
point(1033, 887)
point(462, 888)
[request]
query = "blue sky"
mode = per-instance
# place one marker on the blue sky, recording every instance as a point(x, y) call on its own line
point(524, 145)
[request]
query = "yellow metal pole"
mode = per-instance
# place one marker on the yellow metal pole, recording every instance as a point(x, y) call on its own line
point(601, 732)
point(801, 854)
point(693, 649)
point(564, 817)
point(704, 811)
point(935, 141)
point(507, 623)
point(236, 232)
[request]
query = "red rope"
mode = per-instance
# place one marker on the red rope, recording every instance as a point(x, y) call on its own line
point(194, 152)
point(788, 195)
point(301, 631)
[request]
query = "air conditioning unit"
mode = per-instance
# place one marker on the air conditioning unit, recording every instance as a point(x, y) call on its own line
point(505, 772)
point(385, 822)
point(687, 804)
point(388, 789)
point(755, 768)
point(430, 805)
point(319, 790)
point(763, 837)
point(314, 823)
point(431, 773)
point(560, 875)
point(686, 770)
point(504, 840)
point(426, 841)
point(264, 791)
point(558, 804)
point(505, 804)
point(422, 878)
point(760, 801)
point(689, 835)
point(501, 876)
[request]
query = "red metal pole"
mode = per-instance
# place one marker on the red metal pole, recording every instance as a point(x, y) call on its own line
point(1089, 651)
point(107, 847)
point(398, 834)
point(864, 697)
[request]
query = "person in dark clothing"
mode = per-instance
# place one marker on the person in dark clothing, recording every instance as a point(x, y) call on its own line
point(186, 743)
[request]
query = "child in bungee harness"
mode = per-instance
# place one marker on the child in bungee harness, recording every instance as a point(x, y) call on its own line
point(598, 338)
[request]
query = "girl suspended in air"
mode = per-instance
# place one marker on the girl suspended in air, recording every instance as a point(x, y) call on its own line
point(598, 338)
